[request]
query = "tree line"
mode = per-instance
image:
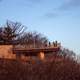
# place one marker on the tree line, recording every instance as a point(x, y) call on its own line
point(16, 33)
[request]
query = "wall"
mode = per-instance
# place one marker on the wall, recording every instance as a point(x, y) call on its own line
point(6, 52)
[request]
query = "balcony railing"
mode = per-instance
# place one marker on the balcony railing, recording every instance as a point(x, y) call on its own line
point(58, 45)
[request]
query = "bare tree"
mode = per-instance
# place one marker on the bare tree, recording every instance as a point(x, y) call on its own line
point(11, 31)
point(33, 38)
point(66, 53)
point(1, 38)
point(14, 33)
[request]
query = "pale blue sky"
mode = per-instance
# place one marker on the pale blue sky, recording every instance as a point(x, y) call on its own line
point(57, 19)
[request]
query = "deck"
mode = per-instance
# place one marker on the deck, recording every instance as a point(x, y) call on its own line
point(34, 51)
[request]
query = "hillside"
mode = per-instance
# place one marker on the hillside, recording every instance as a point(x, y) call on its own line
point(54, 70)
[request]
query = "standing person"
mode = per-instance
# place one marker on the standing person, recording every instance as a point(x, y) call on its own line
point(56, 43)
point(49, 44)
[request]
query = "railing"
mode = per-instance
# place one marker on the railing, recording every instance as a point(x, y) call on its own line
point(58, 45)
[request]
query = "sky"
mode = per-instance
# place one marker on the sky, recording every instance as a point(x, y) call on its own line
point(56, 19)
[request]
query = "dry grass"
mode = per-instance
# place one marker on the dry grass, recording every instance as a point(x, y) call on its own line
point(59, 70)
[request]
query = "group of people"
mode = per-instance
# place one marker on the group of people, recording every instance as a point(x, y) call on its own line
point(54, 44)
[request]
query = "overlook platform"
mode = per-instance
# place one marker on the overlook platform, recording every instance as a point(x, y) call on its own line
point(40, 51)
point(34, 51)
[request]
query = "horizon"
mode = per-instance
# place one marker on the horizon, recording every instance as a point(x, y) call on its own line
point(57, 19)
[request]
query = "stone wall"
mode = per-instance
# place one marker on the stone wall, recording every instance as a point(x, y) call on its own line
point(6, 52)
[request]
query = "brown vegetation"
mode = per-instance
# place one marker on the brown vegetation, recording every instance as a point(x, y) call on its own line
point(55, 70)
